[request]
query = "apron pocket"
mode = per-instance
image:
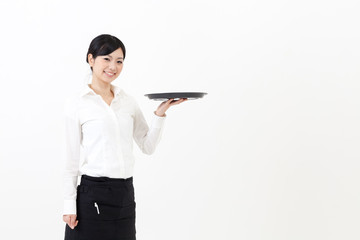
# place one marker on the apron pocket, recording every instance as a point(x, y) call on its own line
point(104, 203)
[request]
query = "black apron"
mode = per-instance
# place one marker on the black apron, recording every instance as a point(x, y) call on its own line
point(105, 210)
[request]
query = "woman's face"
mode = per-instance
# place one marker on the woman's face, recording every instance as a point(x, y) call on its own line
point(108, 67)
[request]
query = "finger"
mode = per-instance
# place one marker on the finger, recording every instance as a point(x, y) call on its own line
point(165, 102)
point(178, 101)
point(72, 221)
point(76, 223)
point(66, 218)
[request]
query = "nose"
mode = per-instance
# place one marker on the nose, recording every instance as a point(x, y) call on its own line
point(112, 66)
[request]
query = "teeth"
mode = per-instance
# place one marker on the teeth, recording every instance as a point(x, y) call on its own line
point(109, 73)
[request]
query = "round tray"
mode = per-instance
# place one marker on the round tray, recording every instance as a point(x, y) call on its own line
point(175, 95)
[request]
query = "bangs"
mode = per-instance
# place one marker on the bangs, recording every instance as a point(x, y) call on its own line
point(107, 48)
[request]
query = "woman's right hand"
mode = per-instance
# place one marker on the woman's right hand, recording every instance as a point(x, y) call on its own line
point(71, 220)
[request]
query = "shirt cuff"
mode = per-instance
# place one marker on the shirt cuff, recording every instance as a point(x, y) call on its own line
point(158, 121)
point(69, 207)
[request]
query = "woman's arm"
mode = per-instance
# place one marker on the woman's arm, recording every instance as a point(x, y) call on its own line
point(72, 157)
point(148, 138)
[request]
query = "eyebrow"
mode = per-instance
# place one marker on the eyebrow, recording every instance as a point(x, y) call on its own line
point(111, 56)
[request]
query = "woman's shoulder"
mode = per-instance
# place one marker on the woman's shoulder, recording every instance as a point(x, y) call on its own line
point(128, 97)
point(71, 104)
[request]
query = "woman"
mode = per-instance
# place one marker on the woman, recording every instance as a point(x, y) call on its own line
point(103, 120)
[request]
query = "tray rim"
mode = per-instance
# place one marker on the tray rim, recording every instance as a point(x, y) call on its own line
point(160, 95)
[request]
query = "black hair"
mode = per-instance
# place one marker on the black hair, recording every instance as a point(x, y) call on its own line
point(104, 44)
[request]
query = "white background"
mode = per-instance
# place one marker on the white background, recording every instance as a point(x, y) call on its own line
point(270, 153)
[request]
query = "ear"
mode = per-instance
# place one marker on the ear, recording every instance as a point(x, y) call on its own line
point(91, 59)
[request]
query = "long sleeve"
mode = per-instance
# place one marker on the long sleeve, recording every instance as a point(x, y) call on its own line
point(72, 158)
point(147, 138)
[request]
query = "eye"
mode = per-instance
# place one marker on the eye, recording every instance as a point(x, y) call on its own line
point(120, 62)
point(106, 58)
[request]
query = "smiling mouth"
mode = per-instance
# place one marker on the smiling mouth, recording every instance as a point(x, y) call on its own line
point(109, 74)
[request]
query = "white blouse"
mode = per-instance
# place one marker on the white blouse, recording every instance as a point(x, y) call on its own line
point(105, 134)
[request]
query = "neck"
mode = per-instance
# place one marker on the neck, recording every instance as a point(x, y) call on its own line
point(101, 88)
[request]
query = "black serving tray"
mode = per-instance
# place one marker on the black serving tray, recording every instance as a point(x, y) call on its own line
point(175, 95)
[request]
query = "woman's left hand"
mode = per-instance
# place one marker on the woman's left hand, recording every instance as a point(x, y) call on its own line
point(164, 106)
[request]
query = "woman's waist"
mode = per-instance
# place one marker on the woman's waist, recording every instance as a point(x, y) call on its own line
point(105, 181)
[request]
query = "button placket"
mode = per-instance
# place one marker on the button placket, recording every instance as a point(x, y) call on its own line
point(115, 117)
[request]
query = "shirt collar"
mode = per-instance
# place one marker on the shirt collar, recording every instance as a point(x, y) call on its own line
point(87, 90)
